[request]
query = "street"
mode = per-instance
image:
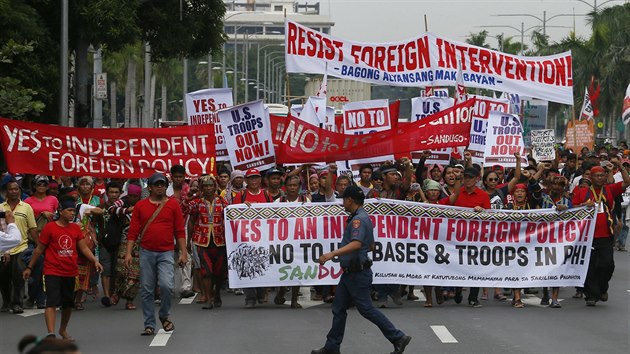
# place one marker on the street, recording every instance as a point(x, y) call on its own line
point(449, 328)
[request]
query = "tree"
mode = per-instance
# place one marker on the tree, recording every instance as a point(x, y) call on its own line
point(478, 39)
point(16, 101)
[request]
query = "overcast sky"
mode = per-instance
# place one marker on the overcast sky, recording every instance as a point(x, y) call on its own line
point(393, 20)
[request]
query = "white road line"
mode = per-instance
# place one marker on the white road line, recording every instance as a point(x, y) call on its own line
point(32, 312)
point(443, 334)
point(628, 291)
point(188, 300)
point(161, 338)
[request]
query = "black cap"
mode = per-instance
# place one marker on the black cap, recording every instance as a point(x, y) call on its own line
point(273, 171)
point(157, 177)
point(355, 193)
point(471, 172)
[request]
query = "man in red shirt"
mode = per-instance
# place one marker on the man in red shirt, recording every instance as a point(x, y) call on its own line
point(157, 220)
point(602, 196)
point(470, 196)
point(253, 193)
point(60, 240)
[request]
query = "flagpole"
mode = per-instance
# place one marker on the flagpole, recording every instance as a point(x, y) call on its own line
point(286, 73)
point(574, 129)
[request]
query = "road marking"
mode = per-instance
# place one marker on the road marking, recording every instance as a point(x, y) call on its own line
point(161, 338)
point(443, 334)
point(188, 300)
point(628, 291)
point(32, 312)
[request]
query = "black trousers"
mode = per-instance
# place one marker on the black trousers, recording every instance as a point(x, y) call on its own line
point(600, 268)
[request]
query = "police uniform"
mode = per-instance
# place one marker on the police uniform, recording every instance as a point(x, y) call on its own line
point(356, 283)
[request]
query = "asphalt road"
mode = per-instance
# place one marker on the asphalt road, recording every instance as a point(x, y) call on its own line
point(449, 328)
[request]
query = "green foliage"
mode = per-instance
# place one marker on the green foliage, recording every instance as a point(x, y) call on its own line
point(16, 101)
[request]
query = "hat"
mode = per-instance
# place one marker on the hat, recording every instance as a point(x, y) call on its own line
point(471, 172)
point(68, 203)
point(322, 173)
point(134, 189)
point(459, 165)
point(498, 167)
point(236, 174)
point(252, 172)
point(87, 179)
point(41, 178)
point(431, 185)
point(597, 169)
point(207, 179)
point(157, 177)
point(314, 175)
point(355, 193)
point(6, 179)
point(273, 171)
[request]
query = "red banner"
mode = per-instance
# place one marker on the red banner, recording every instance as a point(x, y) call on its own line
point(300, 142)
point(120, 153)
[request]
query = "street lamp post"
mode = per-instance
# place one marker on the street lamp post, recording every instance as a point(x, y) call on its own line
point(264, 62)
point(594, 6)
point(277, 79)
point(543, 20)
point(521, 30)
point(271, 77)
point(266, 76)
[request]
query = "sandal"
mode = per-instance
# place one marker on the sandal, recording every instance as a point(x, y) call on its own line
point(202, 300)
point(148, 332)
point(278, 300)
point(500, 297)
point(167, 324)
point(79, 306)
point(130, 306)
point(518, 304)
point(295, 305)
point(428, 304)
point(114, 300)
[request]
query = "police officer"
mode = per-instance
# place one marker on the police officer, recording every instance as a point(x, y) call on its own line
point(356, 282)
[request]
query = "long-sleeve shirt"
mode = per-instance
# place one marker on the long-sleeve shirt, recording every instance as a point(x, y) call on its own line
point(10, 239)
point(160, 234)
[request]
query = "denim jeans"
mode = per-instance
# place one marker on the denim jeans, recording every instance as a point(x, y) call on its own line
point(355, 288)
point(382, 290)
point(623, 235)
point(156, 266)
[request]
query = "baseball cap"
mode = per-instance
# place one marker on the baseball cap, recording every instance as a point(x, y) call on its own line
point(498, 167)
point(355, 193)
point(134, 189)
point(471, 172)
point(274, 171)
point(41, 178)
point(157, 177)
point(252, 172)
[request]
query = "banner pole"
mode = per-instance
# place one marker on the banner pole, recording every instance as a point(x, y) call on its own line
point(286, 74)
point(574, 127)
point(426, 24)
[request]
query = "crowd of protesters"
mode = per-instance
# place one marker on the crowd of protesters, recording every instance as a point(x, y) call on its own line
point(122, 233)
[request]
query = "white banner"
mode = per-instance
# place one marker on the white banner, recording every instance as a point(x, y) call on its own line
point(479, 127)
point(504, 138)
point(543, 144)
point(201, 107)
point(351, 167)
point(428, 60)
point(587, 107)
point(625, 113)
point(247, 131)
point(275, 244)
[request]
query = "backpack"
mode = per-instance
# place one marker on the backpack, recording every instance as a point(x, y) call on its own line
point(112, 234)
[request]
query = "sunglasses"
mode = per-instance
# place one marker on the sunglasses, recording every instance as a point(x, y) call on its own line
point(493, 179)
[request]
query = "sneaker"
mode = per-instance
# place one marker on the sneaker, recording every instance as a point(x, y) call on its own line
point(381, 304)
point(30, 303)
point(187, 293)
point(458, 297)
point(230, 291)
point(555, 304)
point(475, 304)
point(604, 297)
point(250, 305)
point(590, 302)
point(397, 299)
point(239, 292)
point(17, 309)
point(544, 301)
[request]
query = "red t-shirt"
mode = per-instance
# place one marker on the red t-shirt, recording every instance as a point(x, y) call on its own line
point(470, 200)
point(612, 191)
point(261, 197)
point(62, 252)
point(161, 233)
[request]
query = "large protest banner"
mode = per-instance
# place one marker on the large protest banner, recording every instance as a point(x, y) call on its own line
point(118, 153)
point(415, 244)
point(247, 132)
point(422, 107)
point(428, 60)
point(300, 142)
point(479, 127)
point(504, 138)
point(201, 107)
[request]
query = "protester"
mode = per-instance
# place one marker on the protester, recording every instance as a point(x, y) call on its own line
point(274, 183)
point(61, 242)
point(109, 232)
point(157, 221)
point(356, 280)
point(11, 281)
point(126, 277)
point(601, 264)
point(206, 231)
